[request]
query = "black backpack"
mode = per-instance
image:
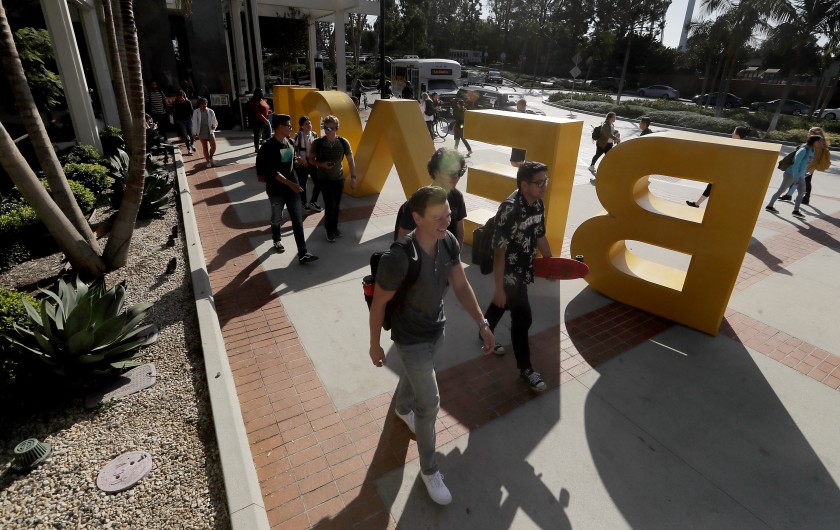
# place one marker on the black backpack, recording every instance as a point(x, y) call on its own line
point(408, 245)
point(787, 161)
point(482, 246)
point(596, 133)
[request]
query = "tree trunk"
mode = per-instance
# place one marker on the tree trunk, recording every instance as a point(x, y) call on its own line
point(775, 120)
point(117, 72)
point(721, 100)
point(832, 87)
point(713, 81)
point(624, 68)
point(116, 251)
point(705, 82)
point(59, 187)
point(81, 256)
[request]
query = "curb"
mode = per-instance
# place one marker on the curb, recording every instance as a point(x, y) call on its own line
point(676, 127)
point(244, 496)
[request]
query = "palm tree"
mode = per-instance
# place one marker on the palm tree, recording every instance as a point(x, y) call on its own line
point(116, 250)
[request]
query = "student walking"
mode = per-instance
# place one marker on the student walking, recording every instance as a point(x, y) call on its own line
point(327, 154)
point(520, 231)
point(204, 126)
point(459, 127)
point(260, 114)
point(304, 139)
point(417, 323)
point(796, 174)
point(427, 107)
point(182, 110)
point(821, 162)
point(644, 125)
point(275, 167)
point(609, 137)
point(446, 167)
point(157, 106)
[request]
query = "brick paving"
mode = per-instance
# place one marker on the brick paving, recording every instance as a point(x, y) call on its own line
point(317, 465)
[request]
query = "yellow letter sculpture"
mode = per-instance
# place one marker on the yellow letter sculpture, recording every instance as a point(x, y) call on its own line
point(716, 238)
point(552, 141)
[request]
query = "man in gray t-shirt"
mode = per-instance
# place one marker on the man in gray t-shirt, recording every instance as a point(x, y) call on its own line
point(417, 325)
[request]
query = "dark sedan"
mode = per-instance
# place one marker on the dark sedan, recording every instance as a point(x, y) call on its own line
point(791, 106)
point(731, 102)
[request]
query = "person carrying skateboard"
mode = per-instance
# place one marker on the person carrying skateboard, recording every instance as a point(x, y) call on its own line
point(520, 231)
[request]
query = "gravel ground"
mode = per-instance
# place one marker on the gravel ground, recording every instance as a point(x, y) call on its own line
point(171, 420)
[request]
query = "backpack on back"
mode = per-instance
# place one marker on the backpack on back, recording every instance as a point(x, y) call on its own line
point(787, 161)
point(596, 133)
point(408, 245)
point(482, 246)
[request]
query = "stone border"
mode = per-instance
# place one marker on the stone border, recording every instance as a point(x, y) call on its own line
point(244, 496)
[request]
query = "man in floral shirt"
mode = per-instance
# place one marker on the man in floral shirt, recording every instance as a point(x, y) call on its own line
point(520, 231)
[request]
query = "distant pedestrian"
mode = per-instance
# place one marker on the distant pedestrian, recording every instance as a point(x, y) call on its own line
point(327, 154)
point(517, 156)
point(387, 93)
point(157, 106)
point(608, 137)
point(260, 118)
point(739, 133)
point(428, 110)
point(182, 109)
point(304, 139)
point(796, 174)
point(644, 125)
point(275, 167)
point(407, 91)
point(204, 126)
point(459, 126)
point(417, 323)
point(520, 231)
point(821, 162)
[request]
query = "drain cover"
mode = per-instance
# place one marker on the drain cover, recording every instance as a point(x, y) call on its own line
point(29, 453)
point(124, 472)
point(128, 383)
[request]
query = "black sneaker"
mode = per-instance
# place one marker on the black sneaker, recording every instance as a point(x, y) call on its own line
point(806, 201)
point(307, 208)
point(338, 233)
point(797, 213)
point(279, 248)
point(533, 379)
point(771, 209)
point(692, 204)
point(314, 206)
point(330, 238)
point(785, 198)
point(306, 258)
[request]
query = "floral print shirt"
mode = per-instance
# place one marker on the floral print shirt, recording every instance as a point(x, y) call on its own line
point(518, 226)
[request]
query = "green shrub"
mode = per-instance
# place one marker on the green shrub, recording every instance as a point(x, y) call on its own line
point(17, 220)
point(633, 111)
point(111, 139)
point(11, 312)
point(92, 176)
point(80, 154)
point(84, 197)
point(559, 97)
point(83, 332)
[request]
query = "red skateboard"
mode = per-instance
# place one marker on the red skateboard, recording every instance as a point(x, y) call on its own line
point(557, 268)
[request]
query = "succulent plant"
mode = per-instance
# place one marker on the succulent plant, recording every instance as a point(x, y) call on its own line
point(82, 331)
point(157, 195)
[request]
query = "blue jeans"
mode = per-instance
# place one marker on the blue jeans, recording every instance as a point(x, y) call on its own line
point(262, 131)
point(788, 180)
point(291, 201)
point(418, 391)
point(185, 128)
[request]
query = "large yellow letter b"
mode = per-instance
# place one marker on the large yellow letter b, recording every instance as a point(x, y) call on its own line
point(716, 238)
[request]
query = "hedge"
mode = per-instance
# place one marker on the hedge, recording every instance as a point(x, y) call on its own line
point(92, 176)
point(80, 154)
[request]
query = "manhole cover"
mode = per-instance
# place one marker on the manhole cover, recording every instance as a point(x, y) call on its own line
point(124, 471)
point(128, 383)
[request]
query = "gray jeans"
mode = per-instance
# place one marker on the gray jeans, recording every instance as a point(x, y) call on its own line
point(787, 180)
point(418, 391)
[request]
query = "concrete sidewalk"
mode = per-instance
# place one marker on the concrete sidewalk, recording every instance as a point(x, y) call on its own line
point(645, 424)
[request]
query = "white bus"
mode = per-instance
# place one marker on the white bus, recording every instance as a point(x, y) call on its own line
point(426, 75)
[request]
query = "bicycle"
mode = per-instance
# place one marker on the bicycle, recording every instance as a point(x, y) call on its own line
point(442, 127)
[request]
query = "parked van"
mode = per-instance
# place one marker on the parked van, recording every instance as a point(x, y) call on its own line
point(426, 75)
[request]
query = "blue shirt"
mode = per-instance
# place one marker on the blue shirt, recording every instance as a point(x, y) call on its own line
point(801, 160)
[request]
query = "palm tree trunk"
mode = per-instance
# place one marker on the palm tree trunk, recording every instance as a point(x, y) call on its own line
point(13, 69)
point(775, 120)
point(624, 68)
point(116, 251)
point(705, 82)
point(117, 72)
point(82, 257)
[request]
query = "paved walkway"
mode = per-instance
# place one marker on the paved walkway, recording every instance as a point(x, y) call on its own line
point(645, 423)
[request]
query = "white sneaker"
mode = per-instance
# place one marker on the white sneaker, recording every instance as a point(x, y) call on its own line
point(408, 419)
point(437, 489)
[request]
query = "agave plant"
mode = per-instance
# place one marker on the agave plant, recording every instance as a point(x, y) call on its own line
point(157, 195)
point(82, 331)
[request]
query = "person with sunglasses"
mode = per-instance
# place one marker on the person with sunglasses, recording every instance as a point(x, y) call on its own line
point(275, 167)
point(327, 154)
point(446, 167)
point(520, 231)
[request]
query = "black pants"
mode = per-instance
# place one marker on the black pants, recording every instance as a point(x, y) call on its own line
point(431, 126)
point(458, 132)
point(261, 132)
point(520, 319)
point(332, 191)
point(290, 202)
point(305, 173)
point(599, 152)
point(807, 197)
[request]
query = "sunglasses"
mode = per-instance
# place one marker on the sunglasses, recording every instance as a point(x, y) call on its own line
point(330, 129)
